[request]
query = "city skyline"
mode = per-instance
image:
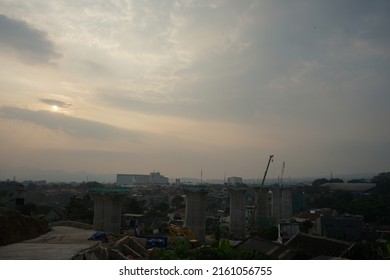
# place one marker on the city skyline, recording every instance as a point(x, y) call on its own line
point(184, 86)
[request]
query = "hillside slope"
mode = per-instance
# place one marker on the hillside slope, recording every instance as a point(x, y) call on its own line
point(15, 227)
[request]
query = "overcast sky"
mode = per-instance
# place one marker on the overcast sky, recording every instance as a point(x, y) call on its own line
point(184, 86)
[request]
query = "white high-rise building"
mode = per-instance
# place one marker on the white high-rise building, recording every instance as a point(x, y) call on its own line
point(234, 181)
point(154, 178)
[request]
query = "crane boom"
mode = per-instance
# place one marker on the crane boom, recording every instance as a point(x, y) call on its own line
point(266, 170)
point(281, 176)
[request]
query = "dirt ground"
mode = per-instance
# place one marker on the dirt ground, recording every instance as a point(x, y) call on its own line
point(61, 243)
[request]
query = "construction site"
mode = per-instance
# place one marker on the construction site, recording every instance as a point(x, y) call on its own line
point(107, 238)
point(258, 221)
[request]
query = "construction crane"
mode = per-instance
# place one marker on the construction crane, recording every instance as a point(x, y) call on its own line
point(177, 232)
point(266, 170)
point(252, 222)
point(281, 176)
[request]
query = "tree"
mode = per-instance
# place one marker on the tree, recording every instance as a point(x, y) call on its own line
point(133, 206)
point(336, 180)
point(178, 202)
point(382, 181)
point(374, 207)
point(319, 182)
point(222, 251)
point(29, 209)
point(80, 209)
point(161, 207)
point(270, 233)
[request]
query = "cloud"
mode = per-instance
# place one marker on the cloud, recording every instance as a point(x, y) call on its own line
point(300, 78)
point(195, 107)
point(29, 44)
point(73, 126)
point(54, 102)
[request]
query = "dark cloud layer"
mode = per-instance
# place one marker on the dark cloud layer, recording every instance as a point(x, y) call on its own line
point(77, 127)
point(29, 43)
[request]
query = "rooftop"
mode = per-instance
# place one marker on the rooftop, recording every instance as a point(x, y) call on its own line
point(318, 246)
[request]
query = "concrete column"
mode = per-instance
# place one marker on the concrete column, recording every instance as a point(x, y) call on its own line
point(237, 212)
point(277, 205)
point(286, 203)
point(107, 211)
point(98, 211)
point(195, 219)
point(262, 207)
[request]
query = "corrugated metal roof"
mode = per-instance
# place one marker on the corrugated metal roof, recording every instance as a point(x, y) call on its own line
point(318, 245)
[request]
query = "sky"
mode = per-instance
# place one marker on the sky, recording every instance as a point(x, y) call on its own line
point(191, 87)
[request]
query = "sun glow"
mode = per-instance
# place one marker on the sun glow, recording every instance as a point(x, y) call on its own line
point(54, 108)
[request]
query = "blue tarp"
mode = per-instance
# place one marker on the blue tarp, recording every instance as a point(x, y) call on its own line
point(102, 236)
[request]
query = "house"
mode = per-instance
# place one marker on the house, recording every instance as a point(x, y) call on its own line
point(313, 217)
point(272, 249)
point(346, 227)
point(287, 230)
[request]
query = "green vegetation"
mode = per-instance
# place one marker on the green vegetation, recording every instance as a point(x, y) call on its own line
point(178, 202)
point(133, 206)
point(269, 233)
point(374, 207)
point(222, 251)
point(80, 209)
point(319, 182)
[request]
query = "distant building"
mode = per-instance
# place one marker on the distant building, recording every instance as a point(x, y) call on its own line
point(346, 227)
point(234, 180)
point(154, 178)
point(327, 222)
point(314, 217)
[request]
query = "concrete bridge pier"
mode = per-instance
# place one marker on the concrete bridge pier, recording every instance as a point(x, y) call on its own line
point(237, 212)
point(107, 210)
point(195, 215)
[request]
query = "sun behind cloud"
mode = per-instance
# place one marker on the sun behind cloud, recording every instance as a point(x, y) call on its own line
point(55, 108)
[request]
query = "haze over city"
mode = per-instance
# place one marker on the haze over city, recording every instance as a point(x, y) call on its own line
point(184, 86)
